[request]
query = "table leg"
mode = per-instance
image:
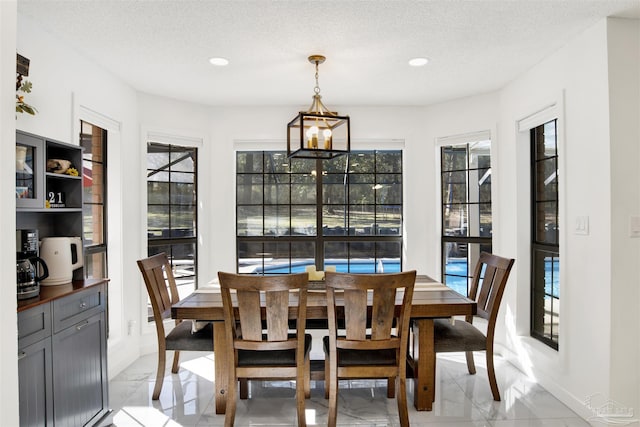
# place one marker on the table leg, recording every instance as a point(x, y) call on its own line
point(220, 350)
point(425, 362)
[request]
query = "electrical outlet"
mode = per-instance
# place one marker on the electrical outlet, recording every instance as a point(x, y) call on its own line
point(131, 326)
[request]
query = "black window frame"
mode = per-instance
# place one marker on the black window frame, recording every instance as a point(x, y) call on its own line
point(545, 244)
point(322, 171)
point(459, 243)
point(169, 242)
point(92, 249)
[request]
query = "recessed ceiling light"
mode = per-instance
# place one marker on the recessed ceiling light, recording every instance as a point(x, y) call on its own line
point(220, 62)
point(418, 62)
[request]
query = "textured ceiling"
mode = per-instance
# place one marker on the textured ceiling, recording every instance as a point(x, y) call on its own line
point(163, 47)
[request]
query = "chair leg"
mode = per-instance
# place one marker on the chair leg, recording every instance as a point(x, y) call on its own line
point(307, 378)
point(435, 376)
point(176, 362)
point(301, 393)
point(162, 358)
point(244, 388)
point(403, 412)
point(470, 365)
point(391, 387)
point(333, 396)
point(232, 395)
point(492, 375)
point(327, 380)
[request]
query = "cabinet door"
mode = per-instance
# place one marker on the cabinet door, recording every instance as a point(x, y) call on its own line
point(34, 325)
point(35, 384)
point(80, 372)
point(29, 171)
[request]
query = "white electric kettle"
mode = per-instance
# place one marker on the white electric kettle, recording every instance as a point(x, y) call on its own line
point(63, 255)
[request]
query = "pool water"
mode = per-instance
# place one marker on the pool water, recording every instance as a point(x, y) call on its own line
point(456, 276)
point(342, 266)
point(455, 271)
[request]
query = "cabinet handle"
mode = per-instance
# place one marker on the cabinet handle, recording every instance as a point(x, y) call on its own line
point(22, 355)
point(82, 325)
point(83, 304)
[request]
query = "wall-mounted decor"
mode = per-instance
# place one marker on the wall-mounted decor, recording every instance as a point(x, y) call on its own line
point(22, 70)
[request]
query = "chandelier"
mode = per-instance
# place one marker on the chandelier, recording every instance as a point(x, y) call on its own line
point(318, 133)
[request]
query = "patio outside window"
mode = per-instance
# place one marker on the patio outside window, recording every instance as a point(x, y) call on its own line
point(294, 213)
point(171, 210)
point(466, 210)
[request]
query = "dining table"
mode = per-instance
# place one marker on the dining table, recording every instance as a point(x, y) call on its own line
point(431, 300)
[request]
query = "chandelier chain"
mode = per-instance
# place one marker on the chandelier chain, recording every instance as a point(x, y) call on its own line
point(316, 89)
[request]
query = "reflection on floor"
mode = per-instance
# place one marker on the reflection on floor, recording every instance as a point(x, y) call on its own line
point(462, 399)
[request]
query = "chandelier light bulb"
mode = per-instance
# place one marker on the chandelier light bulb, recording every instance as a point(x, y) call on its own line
point(312, 137)
point(328, 143)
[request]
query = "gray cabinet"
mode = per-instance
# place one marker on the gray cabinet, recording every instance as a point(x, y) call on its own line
point(47, 199)
point(62, 332)
point(34, 367)
point(79, 358)
point(63, 360)
point(40, 187)
point(30, 169)
point(35, 397)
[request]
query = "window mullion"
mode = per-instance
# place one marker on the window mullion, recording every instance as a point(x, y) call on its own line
point(319, 259)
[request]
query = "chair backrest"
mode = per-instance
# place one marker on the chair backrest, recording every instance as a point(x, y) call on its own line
point(161, 285)
point(487, 290)
point(262, 307)
point(370, 302)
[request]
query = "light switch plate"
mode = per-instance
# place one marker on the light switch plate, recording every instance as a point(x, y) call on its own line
point(634, 226)
point(581, 226)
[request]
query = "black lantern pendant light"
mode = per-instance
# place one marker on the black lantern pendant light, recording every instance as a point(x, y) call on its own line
point(318, 133)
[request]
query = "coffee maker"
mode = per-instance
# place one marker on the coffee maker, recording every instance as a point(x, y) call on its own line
point(28, 275)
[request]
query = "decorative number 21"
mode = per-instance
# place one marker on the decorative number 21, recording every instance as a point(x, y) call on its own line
point(56, 197)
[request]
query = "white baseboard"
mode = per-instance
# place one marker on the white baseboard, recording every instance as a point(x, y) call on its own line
point(557, 390)
point(121, 354)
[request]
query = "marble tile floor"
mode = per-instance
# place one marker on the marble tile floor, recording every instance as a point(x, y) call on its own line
point(461, 399)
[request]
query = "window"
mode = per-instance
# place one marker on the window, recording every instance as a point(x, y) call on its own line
point(94, 179)
point(545, 248)
point(171, 210)
point(293, 213)
point(466, 210)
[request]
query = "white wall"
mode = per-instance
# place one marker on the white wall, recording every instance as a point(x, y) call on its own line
point(579, 70)
point(624, 116)
point(594, 344)
point(8, 306)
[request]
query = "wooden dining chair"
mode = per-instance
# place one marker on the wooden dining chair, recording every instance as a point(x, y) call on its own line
point(257, 328)
point(373, 343)
point(487, 286)
point(162, 290)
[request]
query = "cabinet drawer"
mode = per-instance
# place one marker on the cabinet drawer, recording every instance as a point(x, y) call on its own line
point(34, 324)
point(74, 308)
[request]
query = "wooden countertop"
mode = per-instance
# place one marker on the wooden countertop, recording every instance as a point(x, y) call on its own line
point(50, 293)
